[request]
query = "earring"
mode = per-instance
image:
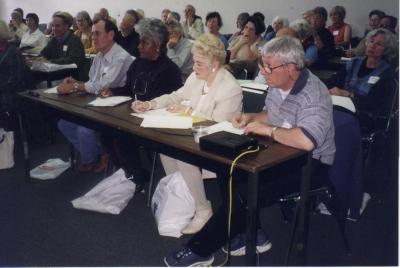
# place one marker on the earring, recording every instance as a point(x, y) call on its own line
point(213, 70)
point(157, 50)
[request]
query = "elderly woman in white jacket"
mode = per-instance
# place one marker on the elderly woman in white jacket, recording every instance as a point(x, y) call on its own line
point(210, 92)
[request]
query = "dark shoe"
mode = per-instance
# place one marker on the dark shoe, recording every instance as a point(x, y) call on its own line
point(102, 164)
point(238, 244)
point(185, 257)
point(140, 177)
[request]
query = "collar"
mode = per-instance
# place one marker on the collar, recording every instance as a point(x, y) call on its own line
point(109, 55)
point(63, 38)
point(300, 82)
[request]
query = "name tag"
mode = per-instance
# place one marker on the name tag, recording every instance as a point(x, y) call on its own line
point(373, 79)
point(65, 48)
point(335, 33)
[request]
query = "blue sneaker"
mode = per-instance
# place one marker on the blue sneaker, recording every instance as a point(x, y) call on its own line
point(238, 244)
point(185, 257)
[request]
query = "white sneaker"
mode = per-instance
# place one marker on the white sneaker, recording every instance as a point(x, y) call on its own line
point(199, 220)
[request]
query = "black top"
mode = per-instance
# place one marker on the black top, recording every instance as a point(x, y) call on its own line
point(150, 79)
point(328, 50)
point(129, 43)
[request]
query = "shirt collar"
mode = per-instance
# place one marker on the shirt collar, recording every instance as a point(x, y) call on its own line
point(300, 82)
point(109, 55)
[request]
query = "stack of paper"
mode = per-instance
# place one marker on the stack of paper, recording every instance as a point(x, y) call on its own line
point(110, 101)
point(50, 67)
point(224, 126)
point(52, 90)
point(344, 102)
point(162, 121)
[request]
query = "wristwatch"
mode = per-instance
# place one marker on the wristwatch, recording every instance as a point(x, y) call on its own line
point(273, 132)
point(76, 87)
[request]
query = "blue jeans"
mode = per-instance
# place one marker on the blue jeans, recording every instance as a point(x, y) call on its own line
point(83, 139)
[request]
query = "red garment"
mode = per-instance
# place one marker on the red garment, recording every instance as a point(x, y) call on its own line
point(337, 31)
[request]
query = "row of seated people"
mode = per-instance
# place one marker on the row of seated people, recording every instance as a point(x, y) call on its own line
point(214, 94)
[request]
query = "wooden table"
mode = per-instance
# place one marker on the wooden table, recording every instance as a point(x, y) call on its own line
point(180, 145)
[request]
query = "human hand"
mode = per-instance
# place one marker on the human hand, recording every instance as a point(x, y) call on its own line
point(240, 120)
point(258, 128)
point(65, 88)
point(141, 106)
point(105, 92)
point(339, 92)
point(69, 80)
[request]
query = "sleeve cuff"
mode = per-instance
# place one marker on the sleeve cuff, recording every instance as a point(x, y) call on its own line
point(309, 136)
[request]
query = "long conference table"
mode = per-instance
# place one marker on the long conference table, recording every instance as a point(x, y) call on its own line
point(180, 144)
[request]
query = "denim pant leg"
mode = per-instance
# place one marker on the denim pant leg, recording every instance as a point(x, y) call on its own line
point(83, 139)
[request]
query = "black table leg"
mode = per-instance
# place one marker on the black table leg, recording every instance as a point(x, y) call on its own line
point(252, 198)
point(24, 142)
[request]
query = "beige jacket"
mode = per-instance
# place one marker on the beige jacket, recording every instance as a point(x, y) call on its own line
point(222, 102)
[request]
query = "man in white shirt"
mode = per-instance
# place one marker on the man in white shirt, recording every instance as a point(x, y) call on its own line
point(33, 41)
point(108, 70)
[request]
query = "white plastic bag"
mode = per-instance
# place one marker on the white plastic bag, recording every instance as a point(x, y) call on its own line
point(173, 205)
point(50, 169)
point(6, 149)
point(111, 195)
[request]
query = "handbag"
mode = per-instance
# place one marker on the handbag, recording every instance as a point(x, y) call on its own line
point(172, 205)
point(6, 149)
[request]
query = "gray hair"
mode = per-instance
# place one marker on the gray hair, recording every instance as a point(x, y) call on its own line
point(175, 26)
point(302, 28)
point(391, 44)
point(16, 15)
point(83, 15)
point(287, 49)
point(154, 29)
point(285, 22)
point(339, 10)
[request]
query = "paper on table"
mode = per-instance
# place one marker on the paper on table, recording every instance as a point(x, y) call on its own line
point(163, 121)
point(51, 67)
point(344, 102)
point(52, 90)
point(110, 101)
point(224, 126)
point(345, 58)
point(254, 85)
point(157, 112)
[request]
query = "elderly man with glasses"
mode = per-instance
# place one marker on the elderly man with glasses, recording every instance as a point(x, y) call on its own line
point(298, 113)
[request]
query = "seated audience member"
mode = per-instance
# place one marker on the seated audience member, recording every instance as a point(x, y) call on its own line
point(33, 41)
point(240, 23)
point(389, 22)
point(210, 92)
point(341, 31)
point(151, 75)
point(277, 23)
point(193, 25)
point(127, 37)
point(21, 11)
point(103, 12)
point(307, 16)
point(17, 26)
point(64, 47)
point(214, 23)
point(246, 47)
point(297, 113)
point(108, 69)
point(179, 49)
point(305, 33)
point(369, 80)
point(11, 78)
point(164, 15)
point(174, 16)
point(84, 31)
point(323, 38)
point(374, 19)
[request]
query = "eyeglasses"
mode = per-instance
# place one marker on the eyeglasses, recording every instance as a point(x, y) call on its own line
point(141, 84)
point(269, 69)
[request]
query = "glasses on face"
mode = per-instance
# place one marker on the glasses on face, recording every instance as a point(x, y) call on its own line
point(268, 69)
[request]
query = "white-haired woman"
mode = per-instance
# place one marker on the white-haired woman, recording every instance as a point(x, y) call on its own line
point(210, 92)
point(304, 32)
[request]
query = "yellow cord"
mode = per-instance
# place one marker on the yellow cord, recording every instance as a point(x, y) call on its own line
point(230, 193)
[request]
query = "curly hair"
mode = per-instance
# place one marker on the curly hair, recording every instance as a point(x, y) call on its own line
point(210, 46)
point(154, 29)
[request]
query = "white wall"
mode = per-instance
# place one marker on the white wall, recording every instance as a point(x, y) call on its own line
point(357, 10)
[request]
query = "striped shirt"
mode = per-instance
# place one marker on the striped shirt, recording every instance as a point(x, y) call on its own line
point(308, 107)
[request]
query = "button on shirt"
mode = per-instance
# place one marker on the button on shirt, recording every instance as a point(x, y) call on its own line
point(109, 70)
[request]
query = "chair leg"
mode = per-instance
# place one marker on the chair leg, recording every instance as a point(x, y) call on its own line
point(292, 234)
point(151, 182)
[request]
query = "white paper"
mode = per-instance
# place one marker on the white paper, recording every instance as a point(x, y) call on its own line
point(110, 101)
point(51, 67)
point(344, 102)
point(254, 85)
point(50, 169)
point(224, 126)
point(176, 122)
point(345, 59)
point(52, 90)
point(156, 112)
point(255, 91)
